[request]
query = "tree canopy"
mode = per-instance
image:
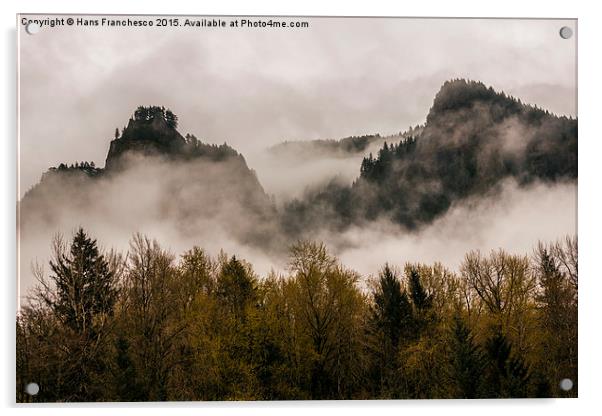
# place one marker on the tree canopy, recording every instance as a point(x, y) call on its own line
point(150, 326)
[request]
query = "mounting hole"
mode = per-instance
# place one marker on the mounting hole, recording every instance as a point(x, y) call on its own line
point(566, 32)
point(566, 384)
point(32, 28)
point(32, 389)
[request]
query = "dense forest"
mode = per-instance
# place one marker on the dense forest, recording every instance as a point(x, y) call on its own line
point(149, 326)
point(474, 139)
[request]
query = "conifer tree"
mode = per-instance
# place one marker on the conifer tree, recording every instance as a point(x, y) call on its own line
point(171, 119)
point(236, 286)
point(467, 361)
point(85, 286)
point(391, 309)
point(80, 297)
point(558, 315)
point(390, 317)
point(507, 374)
point(420, 298)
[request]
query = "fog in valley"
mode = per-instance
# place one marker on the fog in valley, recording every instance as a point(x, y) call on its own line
point(261, 90)
point(207, 205)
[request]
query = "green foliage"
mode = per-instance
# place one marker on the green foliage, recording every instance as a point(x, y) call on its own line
point(390, 322)
point(556, 266)
point(391, 312)
point(156, 328)
point(468, 362)
point(507, 375)
point(236, 286)
point(85, 287)
point(420, 299)
point(68, 325)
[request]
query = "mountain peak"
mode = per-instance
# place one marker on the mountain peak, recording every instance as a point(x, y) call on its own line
point(152, 123)
point(461, 94)
point(152, 131)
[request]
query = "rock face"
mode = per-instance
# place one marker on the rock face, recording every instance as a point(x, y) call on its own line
point(152, 137)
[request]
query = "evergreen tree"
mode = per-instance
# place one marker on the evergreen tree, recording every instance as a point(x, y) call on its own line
point(126, 383)
point(467, 361)
point(81, 297)
point(390, 318)
point(391, 310)
point(236, 286)
point(558, 316)
point(420, 298)
point(171, 119)
point(141, 114)
point(507, 375)
point(85, 286)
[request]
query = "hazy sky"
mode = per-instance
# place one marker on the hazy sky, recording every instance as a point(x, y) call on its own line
point(252, 88)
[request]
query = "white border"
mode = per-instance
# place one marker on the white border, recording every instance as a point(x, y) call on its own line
point(590, 207)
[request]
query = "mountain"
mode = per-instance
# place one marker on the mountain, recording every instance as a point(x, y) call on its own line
point(153, 173)
point(474, 139)
point(152, 132)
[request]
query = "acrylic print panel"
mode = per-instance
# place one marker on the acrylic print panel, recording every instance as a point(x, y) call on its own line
point(275, 208)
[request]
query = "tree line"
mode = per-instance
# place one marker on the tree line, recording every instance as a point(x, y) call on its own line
point(147, 326)
point(143, 113)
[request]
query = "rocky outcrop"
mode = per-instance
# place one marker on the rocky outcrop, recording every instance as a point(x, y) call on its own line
point(152, 137)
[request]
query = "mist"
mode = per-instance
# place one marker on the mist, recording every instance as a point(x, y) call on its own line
point(213, 205)
point(217, 206)
point(514, 219)
point(253, 89)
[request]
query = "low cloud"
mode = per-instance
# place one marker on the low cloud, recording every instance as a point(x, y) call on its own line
point(208, 205)
point(514, 219)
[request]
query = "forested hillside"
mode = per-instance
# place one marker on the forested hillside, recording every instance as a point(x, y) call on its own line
point(474, 139)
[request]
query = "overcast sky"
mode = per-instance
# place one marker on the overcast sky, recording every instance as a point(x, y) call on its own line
point(253, 88)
